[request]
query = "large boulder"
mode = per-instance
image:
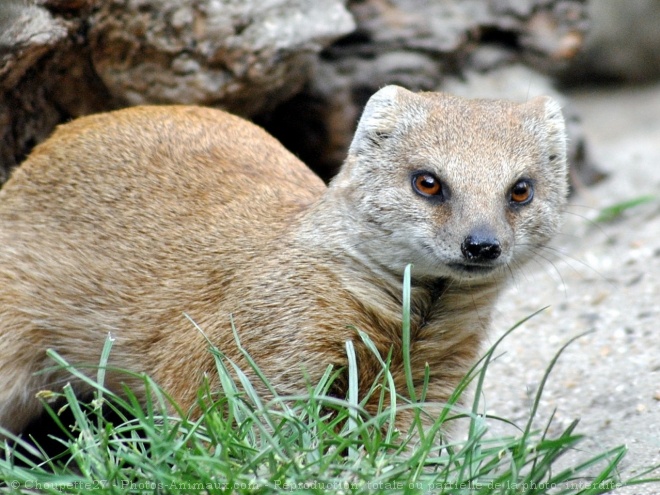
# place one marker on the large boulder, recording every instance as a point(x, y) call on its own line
point(245, 56)
point(65, 58)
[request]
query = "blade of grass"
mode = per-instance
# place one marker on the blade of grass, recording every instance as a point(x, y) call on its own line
point(407, 365)
point(544, 379)
point(612, 212)
point(353, 394)
point(390, 383)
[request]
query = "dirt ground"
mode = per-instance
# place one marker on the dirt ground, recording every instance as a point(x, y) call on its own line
point(601, 278)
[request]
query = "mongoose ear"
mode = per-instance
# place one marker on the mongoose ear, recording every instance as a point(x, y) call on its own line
point(378, 119)
point(551, 126)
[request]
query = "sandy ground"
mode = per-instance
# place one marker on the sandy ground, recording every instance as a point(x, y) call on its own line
point(599, 278)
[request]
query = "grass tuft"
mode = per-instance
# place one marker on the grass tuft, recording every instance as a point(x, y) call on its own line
point(615, 211)
point(312, 443)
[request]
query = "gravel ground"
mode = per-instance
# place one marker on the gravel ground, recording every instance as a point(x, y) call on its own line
point(599, 278)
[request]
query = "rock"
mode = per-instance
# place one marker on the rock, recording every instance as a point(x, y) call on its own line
point(244, 56)
point(61, 59)
point(28, 112)
point(26, 33)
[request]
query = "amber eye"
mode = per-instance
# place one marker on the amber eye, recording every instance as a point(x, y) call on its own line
point(427, 184)
point(522, 192)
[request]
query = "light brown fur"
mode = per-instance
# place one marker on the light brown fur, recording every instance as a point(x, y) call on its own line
point(125, 222)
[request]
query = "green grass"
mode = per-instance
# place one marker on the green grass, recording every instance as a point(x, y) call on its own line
point(615, 211)
point(312, 443)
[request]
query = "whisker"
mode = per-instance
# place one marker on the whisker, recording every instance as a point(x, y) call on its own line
point(537, 252)
point(589, 221)
point(542, 262)
point(557, 252)
point(578, 205)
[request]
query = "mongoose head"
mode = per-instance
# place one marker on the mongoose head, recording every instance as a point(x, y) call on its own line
point(464, 189)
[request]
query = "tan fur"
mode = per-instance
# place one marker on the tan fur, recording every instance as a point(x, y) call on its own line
point(124, 222)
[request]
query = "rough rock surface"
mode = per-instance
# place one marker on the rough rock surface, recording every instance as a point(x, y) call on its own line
point(602, 278)
point(246, 56)
point(28, 109)
point(61, 59)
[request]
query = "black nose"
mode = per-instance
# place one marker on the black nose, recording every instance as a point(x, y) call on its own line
point(481, 248)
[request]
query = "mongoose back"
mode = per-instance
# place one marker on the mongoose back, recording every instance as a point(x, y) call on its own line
point(134, 222)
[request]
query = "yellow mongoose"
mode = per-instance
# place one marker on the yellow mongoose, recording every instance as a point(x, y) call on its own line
point(125, 222)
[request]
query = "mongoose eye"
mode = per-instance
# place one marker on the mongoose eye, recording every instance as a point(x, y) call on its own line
point(522, 192)
point(426, 184)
